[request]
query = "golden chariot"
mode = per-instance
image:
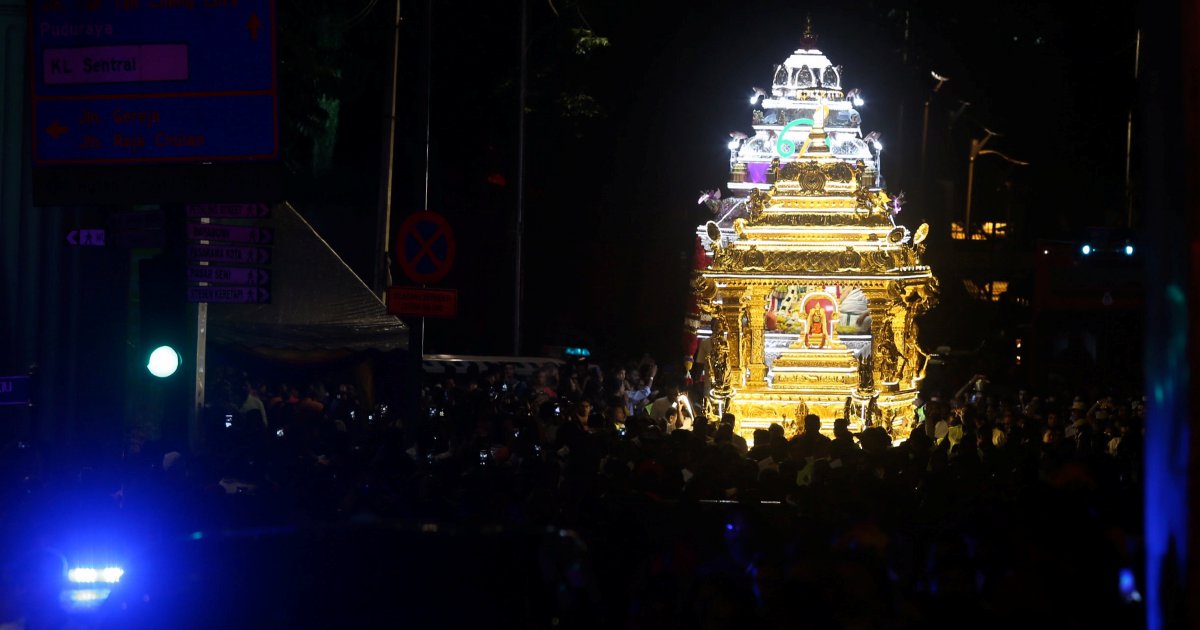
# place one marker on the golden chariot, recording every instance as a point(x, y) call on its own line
point(808, 291)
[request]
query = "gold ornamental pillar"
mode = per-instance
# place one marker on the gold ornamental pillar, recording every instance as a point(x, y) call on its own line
point(900, 329)
point(757, 308)
point(730, 314)
point(878, 305)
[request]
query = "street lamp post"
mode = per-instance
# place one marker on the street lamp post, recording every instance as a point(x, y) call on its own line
point(976, 147)
point(977, 150)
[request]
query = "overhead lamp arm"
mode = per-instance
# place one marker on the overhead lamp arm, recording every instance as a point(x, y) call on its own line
point(1005, 157)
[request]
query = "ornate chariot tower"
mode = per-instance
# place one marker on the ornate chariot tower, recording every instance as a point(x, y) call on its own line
point(810, 286)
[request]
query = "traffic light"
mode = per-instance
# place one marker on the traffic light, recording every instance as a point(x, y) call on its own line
point(163, 314)
point(162, 388)
point(164, 361)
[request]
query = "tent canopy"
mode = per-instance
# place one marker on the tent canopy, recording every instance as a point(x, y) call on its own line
point(318, 304)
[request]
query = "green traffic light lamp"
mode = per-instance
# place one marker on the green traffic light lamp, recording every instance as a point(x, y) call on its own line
point(164, 361)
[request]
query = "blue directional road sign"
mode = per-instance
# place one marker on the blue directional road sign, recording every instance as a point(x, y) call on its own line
point(144, 81)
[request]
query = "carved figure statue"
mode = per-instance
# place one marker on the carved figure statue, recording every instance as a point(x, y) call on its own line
point(866, 379)
point(719, 358)
point(816, 334)
point(888, 358)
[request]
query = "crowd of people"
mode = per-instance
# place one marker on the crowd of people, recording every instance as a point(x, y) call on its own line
point(997, 508)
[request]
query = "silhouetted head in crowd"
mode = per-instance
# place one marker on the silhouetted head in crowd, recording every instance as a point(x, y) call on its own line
point(615, 411)
point(583, 411)
point(874, 440)
point(671, 417)
point(812, 424)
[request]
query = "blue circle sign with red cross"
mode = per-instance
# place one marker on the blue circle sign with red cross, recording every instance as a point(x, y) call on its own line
point(425, 247)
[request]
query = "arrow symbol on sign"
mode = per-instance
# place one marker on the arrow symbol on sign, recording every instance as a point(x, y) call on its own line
point(263, 276)
point(264, 296)
point(92, 237)
point(56, 130)
point(252, 25)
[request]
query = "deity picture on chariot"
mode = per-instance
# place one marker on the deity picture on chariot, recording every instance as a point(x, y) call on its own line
point(789, 306)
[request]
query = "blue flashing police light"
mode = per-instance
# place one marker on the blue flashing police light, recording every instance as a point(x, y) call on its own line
point(577, 352)
point(91, 575)
point(1086, 249)
point(164, 361)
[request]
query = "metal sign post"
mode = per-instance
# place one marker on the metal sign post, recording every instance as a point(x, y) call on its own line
point(223, 284)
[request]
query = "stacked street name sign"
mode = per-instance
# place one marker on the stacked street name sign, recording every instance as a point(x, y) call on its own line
point(224, 258)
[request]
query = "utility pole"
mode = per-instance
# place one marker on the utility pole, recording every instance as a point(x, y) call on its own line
point(1137, 51)
point(516, 349)
point(387, 158)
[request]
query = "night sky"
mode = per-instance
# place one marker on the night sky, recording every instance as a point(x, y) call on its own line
point(619, 141)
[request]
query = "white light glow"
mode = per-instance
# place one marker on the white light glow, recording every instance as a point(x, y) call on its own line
point(733, 145)
point(684, 403)
point(858, 101)
point(84, 599)
point(83, 575)
point(112, 575)
point(164, 361)
point(89, 595)
point(1129, 250)
point(1086, 249)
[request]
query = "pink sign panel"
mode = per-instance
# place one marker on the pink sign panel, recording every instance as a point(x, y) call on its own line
point(230, 295)
point(229, 210)
point(229, 254)
point(229, 275)
point(116, 64)
point(237, 233)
